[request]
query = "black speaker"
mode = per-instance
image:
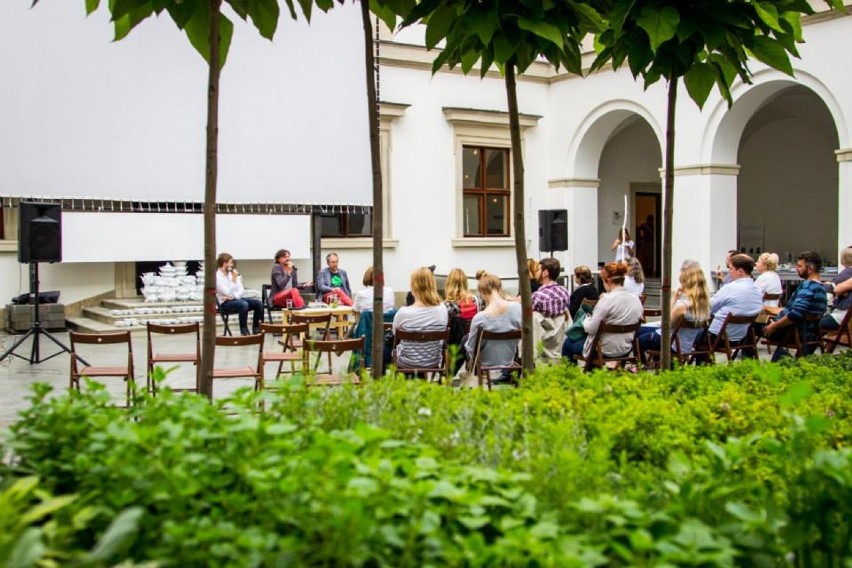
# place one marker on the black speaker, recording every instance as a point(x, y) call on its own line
point(40, 232)
point(553, 229)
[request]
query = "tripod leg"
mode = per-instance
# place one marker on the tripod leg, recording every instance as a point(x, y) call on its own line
point(11, 350)
point(61, 345)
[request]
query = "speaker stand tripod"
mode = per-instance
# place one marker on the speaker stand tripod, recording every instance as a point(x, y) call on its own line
point(36, 331)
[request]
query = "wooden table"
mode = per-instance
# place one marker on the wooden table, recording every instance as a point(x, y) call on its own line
point(339, 317)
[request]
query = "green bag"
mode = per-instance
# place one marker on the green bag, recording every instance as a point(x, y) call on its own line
point(575, 330)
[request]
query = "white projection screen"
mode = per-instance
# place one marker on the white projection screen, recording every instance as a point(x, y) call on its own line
point(97, 237)
point(83, 116)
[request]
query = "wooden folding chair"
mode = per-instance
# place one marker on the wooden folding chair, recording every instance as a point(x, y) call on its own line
point(590, 303)
point(95, 371)
point(247, 371)
point(597, 358)
point(834, 338)
point(723, 343)
point(792, 339)
point(289, 353)
point(767, 297)
point(225, 317)
point(483, 372)
point(160, 358)
point(441, 369)
point(701, 347)
point(322, 321)
point(265, 289)
point(338, 347)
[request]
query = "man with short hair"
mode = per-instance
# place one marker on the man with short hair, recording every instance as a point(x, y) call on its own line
point(740, 297)
point(229, 294)
point(333, 281)
point(809, 299)
point(550, 307)
point(722, 280)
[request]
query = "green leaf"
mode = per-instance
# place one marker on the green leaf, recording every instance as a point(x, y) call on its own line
point(468, 60)
point(483, 22)
point(306, 6)
point(768, 14)
point(771, 52)
point(543, 30)
point(438, 25)
point(660, 25)
point(198, 31)
point(264, 15)
point(699, 82)
point(181, 13)
point(125, 23)
point(504, 49)
point(27, 551)
point(794, 19)
point(120, 533)
point(46, 508)
point(384, 13)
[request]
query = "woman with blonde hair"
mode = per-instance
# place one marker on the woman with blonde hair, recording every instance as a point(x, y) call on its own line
point(768, 282)
point(459, 299)
point(499, 315)
point(427, 313)
point(691, 303)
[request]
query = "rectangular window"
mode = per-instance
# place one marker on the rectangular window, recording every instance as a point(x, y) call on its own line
point(347, 225)
point(485, 186)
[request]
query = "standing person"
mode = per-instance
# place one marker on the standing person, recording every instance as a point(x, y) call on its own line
point(229, 292)
point(623, 245)
point(427, 313)
point(583, 288)
point(618, 307)
point(333, 281)
point(550, 309)
point(499, 315)
point(768, 281)
point(285, 282)
point(809, 299)
point(841, 287)
point(363, 299)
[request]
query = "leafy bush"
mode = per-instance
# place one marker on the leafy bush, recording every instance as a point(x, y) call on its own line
point(709, 466)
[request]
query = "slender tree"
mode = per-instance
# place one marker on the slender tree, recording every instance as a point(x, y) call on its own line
point(210, 32)
point(511, 36)
point(704, 44)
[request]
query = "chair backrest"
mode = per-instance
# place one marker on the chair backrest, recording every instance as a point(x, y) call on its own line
point(325, 318)
point(287, 331)
point(597, 357)
point(410, 336)
point(589, 302)
point(239, 340)
point(723, 342)
point(767, 297)
point(112, 338)
point(483, 336)
point(337, 347)
point(172, 329)
point(701, 346)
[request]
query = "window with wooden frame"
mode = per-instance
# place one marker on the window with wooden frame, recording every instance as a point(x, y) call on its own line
point(486, 193)
point(349, 224)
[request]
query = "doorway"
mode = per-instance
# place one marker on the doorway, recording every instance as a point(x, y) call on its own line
point(647, 206)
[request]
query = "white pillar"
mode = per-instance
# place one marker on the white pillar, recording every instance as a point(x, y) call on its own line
point(580, 198)
point(705, 215)
point(844, 199)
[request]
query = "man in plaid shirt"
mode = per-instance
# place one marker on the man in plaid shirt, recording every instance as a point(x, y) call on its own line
point(550, 305)
point(808, 299)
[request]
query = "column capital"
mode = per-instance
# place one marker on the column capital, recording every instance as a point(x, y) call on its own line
point(705, 170)
point(844, 154)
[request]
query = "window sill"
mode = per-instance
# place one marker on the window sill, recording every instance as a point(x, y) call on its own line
point(481, 242)
point(8, 246)
point(341, 243)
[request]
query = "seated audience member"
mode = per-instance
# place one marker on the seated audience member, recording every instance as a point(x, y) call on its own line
point(532, 271)
point(363, 299)
point(427, 313)
point(739, 297)
point(768, 281)
point(841, 287)
point(616, 306)
point(333, 281)
point(285, 283)
point(689, 263)
point(461, 305)
point(723, 278)
point(499, 315)
point(809, 299)
point(691, 303)
point(635, 280)
point(409, 297)
point(583, 288)
point(550, 308)
point(229, 292)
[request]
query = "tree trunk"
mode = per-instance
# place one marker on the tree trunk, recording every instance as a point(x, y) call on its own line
point(668, 196)
point(208, 340)
point(519, 227)
point(378, 269)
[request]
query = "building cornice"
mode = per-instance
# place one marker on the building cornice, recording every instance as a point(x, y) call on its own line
point(391, 111)
point(479, 117)
point(844, 155)
point(705, 170)
point(574, 182)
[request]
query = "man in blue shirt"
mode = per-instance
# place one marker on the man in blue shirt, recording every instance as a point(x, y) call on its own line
point(809, 299)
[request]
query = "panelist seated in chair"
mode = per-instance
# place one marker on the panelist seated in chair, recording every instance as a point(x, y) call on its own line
point(362, 301)
point(499, 315)
point(285, 283)
point(332, 281)
point(427, 313)
point(229, 292)
point(841, 287)
point(809, 299)
point(691, 303)
point(616, 307)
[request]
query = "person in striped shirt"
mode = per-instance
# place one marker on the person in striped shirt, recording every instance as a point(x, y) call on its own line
point(427, 313)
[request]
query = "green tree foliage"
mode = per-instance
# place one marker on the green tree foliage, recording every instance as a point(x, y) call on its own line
point(510, 36)
point(705, 44)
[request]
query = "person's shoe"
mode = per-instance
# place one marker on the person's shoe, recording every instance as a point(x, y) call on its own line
point(244, 331)
point(255, 330)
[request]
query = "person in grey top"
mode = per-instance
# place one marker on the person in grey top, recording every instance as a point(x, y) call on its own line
point(499, 315)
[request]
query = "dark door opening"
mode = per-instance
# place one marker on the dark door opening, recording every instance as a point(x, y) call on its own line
point(647, 234)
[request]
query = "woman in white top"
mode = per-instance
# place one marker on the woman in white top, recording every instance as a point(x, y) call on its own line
point(623, 246)
point(362, 301)
point(427, 313)
point(768, 282)
point(635, 280)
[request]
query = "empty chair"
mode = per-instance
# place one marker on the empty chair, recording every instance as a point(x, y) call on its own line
point(289, 352)
point(107, 341)
point(160, 357)
point(331, 376)
point(597, 358)
point(322, 322)
point(495, 351)
point(441, 367)
point(267, 301)
point(253, 369)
